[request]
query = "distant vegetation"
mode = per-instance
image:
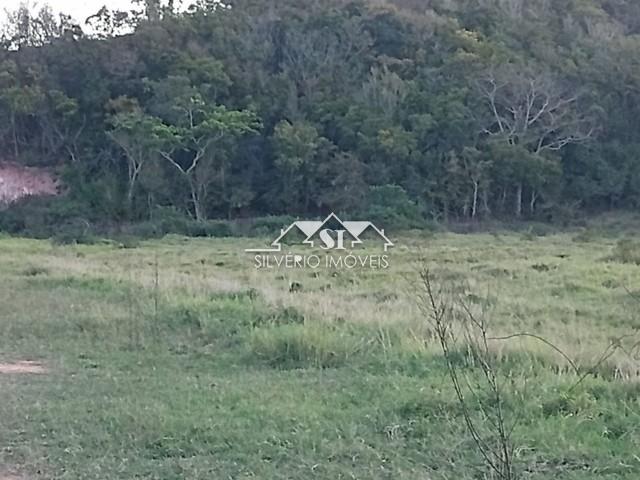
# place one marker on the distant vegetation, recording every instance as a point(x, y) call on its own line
point(400, 110)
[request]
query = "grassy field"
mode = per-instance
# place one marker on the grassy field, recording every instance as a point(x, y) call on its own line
point(176, 359)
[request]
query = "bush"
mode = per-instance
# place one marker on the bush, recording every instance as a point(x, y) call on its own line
point(210, 228)
point(391, 207)
point(534, 230)
point(146, 229)
point(586, 235)
point(168, 220)
point(73, 237)
point(261, 226)
point(59, 218)
point(43, 217)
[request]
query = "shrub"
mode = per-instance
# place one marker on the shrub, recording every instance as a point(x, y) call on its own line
point(127, 241)
point(43, 217)
point(168, 220)
point(261, 226)
point(146, 229)
point(390, 206)
point(586, 235)
point(74, 233)
point(210, 228)
point(538, 229)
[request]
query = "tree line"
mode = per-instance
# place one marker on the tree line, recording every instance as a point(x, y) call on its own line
point(446, 110)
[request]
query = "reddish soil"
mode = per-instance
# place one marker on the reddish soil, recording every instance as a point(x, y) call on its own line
point(25, 366)
point(10, 476)
point(17, 181)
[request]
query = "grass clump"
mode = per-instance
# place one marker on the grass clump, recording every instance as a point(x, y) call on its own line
point(87, 284)
point(34, 271)
point(214, 319)
point(280, 316)
point(627, 251)
point(310, 345)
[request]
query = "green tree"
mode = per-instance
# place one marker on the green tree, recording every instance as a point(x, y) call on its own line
point(134, 132)
point(296, 145)
point(189, 137)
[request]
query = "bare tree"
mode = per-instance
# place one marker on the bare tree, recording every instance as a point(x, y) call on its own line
point(312, 54)
point(31, 26)
point(451, 319)
point(463, 333)
point(533, 111)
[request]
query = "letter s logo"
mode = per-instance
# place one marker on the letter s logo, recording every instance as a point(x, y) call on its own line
point(331, 242)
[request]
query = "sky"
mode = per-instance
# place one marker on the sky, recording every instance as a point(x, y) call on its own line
point(78, 9)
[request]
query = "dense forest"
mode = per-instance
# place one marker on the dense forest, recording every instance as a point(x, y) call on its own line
point(435, 110)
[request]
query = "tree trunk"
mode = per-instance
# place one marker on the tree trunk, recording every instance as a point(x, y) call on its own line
point(445, 204)
point(150, 203)
point(132, 184)
point(532, 203)
point(518, 205)
point(16, 150)
point(474, 206)
point(195, 198)
point(485, 202)
point(134, 171)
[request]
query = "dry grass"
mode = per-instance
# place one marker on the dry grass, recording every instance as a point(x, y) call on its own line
point(179, 356)
point(565, 291)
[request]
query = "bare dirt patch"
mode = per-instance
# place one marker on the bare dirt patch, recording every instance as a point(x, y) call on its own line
point(25, 366)
point(17, 181)
point(8, 475)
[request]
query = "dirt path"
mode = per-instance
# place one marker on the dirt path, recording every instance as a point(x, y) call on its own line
point(25, 366)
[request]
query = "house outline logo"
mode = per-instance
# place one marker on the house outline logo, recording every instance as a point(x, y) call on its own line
point(311, 229)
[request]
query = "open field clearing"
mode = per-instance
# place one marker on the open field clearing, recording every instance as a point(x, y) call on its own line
point(178, 359)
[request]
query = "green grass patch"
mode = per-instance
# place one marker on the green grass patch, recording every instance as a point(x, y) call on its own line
point(177, 359)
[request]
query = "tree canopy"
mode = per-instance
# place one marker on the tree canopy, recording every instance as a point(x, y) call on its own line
point(448, 109)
